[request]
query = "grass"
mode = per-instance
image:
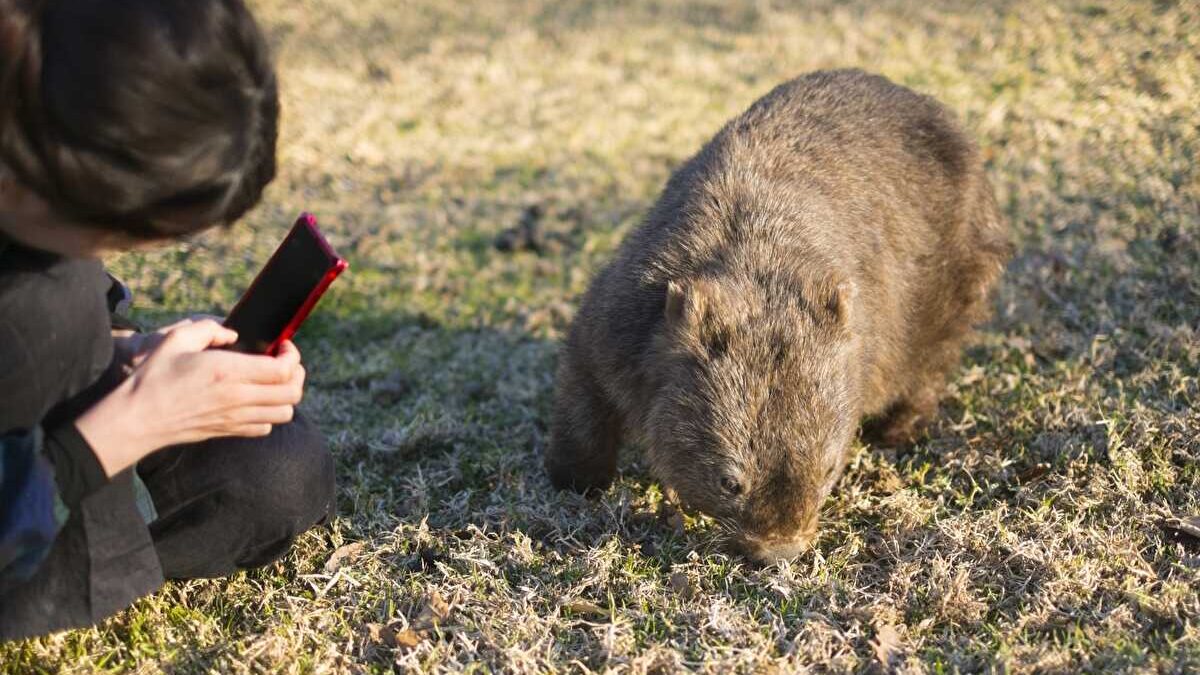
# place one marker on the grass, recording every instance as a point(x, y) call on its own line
point(1024, 534)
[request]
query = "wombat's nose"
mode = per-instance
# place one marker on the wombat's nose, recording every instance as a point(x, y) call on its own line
point(769, 550)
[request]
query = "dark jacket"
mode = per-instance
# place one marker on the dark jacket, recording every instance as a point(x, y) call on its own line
point(48, 307)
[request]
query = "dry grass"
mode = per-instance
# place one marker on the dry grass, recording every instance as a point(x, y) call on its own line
point(1025, 534)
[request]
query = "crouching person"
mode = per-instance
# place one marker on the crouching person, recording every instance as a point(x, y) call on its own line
point(129, 458)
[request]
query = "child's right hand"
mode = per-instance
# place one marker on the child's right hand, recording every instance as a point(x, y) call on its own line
point(184, 392)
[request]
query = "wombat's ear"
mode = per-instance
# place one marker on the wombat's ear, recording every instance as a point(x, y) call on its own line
point(686, 301)
point(840, 299)
point(677, 301)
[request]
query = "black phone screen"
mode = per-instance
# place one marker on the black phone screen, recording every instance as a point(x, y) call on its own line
point(279, 291)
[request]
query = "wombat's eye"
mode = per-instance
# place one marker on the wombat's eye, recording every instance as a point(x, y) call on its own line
point(731, 485)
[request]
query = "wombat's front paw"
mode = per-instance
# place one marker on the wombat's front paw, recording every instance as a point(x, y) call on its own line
point(902, 426)
point(899, 433)
point(579, 476)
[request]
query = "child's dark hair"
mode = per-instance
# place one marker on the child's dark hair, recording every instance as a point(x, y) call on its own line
point(155, 118)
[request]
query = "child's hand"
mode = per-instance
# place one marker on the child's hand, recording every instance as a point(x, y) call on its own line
point(181, 391)
point(132, 347)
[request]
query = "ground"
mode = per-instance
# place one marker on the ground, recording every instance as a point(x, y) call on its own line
point(1030, 531)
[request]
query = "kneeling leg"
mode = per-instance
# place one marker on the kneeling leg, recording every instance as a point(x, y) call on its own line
point(237, 503)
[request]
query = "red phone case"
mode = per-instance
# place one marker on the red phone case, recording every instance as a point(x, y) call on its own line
point(336, 266)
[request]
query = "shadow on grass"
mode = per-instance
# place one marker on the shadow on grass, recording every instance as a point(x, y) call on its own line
point(445, 425)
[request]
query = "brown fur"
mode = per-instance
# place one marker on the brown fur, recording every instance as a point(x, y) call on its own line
point(819, 262)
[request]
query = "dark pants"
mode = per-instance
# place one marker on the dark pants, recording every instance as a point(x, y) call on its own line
point(237, 503)
point(222, 505)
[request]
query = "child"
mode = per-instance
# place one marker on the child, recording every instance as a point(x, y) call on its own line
point(124, 460)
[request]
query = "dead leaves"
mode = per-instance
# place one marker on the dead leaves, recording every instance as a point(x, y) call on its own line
point(393, 635)
point(888, 645)
point(435, 612)
point(1033, 473)
point(1189, 526)
point(585, 608)
point(1185, 530)
point(405, 635)
point(683, 586)
point(342, 555)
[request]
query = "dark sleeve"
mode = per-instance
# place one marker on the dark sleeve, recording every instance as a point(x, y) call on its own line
point(77, 471)
point(31, 512)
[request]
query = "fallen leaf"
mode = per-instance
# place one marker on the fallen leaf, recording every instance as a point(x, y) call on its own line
point(1032, 473)
point(341, 556)
point(394, 635)
point(584, 608)
point(888, 481)
point(1189, 526)
point(887, 644)
point(401, 636)
point(408, 638)
point(971, 376)
point(682, 585)
point(1186, 525)
point(435, 612)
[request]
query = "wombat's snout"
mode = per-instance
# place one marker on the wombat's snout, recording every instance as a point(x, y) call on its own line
point(769, 550)
point(777, 546)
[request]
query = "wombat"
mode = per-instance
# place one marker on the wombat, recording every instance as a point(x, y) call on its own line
point(819, 262)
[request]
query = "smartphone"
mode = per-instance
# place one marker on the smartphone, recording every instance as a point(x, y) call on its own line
point(286, 290)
